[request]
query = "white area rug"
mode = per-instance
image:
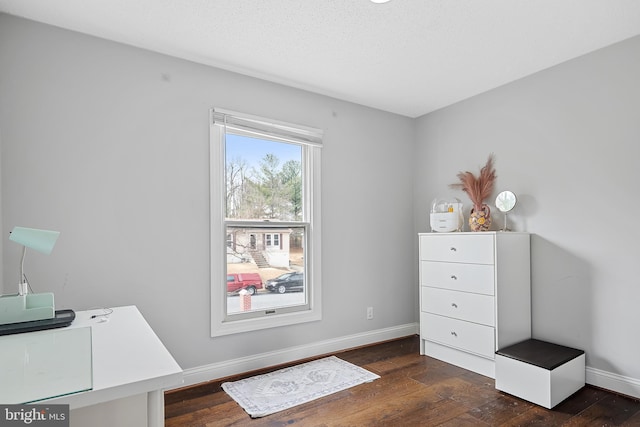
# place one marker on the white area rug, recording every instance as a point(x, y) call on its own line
point(268, 393)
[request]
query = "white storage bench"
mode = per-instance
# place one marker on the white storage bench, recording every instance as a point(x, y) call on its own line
point(540, 372)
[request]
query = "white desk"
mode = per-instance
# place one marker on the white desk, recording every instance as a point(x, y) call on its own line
point(128, 360)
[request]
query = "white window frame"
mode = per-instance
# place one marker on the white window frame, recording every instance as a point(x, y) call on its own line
point(220, 323)
point(272, 240)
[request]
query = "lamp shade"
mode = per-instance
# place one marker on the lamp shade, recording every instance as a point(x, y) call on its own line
point(39, 240)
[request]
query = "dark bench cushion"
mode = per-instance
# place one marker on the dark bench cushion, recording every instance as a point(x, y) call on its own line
point(540, 353)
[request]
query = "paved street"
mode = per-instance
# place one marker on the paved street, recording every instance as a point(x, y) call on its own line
point(265, 300)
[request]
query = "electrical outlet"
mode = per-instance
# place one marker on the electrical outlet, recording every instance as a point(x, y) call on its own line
point(369, 313)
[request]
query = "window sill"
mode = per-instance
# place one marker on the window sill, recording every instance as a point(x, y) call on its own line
point(222, 328)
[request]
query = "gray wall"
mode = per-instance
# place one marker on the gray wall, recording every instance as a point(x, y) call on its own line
point(109, 145)
point(567, 142)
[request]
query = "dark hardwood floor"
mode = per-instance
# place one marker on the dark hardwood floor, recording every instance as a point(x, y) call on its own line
point(413, 390)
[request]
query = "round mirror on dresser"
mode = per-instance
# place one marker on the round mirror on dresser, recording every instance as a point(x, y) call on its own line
point(505, 202)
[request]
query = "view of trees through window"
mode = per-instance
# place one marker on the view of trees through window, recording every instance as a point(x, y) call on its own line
point(270, 189)
point(264, 205)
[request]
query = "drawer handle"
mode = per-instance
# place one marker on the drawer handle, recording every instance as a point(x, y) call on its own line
point(454, 334)
point(453, 249)
point(453, 277)
point(454, 305)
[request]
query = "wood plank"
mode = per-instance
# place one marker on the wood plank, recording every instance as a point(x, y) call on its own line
point(413, 390)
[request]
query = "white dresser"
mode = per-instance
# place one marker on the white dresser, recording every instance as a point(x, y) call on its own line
point(475, 296)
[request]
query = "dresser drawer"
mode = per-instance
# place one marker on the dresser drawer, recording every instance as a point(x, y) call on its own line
point(470, 337)
point(477, 278)
point(474, 248)
point(459, 305)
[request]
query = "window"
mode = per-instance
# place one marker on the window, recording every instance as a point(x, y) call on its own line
point(273, 241)
point(265, 223)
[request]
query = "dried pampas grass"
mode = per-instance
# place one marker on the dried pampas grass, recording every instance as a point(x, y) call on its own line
point(478, 189)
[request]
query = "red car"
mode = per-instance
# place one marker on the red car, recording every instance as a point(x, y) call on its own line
point(251, 282)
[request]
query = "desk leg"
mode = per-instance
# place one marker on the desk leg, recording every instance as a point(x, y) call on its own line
point(155, 408)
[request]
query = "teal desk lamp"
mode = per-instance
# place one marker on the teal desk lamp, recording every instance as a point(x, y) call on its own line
point(26, 306)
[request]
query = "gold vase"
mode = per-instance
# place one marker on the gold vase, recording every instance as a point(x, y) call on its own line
point(480, 220)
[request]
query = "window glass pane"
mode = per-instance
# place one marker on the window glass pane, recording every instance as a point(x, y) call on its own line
point(272, 275)
point(263, 179)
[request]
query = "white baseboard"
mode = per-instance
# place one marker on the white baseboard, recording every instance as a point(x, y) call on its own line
point(227, 368)
point(614, 382)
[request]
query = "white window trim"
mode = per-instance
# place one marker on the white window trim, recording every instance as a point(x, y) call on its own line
point(218, 242)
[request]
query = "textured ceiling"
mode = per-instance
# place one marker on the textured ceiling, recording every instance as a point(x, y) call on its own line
point(409, 57)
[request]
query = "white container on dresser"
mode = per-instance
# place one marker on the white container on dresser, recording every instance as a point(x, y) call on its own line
point(475, 296)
